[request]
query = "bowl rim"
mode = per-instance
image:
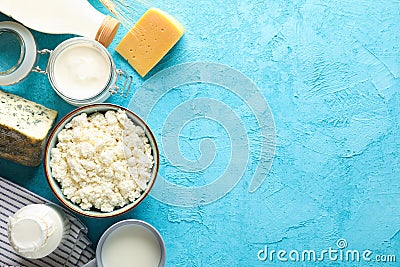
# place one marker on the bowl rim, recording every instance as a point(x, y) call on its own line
point(50, 179)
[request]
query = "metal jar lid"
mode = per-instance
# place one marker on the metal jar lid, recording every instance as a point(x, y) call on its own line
point(18, 52)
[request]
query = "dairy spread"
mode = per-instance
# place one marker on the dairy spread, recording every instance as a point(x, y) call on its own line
point(81, 71)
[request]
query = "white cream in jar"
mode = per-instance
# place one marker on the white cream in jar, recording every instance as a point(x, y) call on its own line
point(81, 71)
point(36, 230)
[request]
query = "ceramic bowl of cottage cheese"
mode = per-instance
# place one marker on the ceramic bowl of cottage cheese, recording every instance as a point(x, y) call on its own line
point(101, 160)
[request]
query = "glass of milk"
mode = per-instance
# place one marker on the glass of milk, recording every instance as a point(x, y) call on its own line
point(132, 243)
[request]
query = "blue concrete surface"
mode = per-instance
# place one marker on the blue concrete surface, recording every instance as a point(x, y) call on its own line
point(329, 71)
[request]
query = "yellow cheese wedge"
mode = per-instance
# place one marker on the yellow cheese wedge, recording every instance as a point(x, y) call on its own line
point(150, 39)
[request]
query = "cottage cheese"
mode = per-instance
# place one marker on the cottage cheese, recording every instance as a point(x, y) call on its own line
point(102, 161)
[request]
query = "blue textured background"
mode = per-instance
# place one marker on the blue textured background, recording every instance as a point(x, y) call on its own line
point(330, 73)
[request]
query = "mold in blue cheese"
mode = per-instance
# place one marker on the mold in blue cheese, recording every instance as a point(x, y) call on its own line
point(24, 126)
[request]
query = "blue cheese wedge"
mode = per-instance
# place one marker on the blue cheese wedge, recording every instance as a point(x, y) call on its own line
point(24, 126)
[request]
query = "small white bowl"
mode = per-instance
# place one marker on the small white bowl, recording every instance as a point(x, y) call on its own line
point(98, 260)
point(52, 142)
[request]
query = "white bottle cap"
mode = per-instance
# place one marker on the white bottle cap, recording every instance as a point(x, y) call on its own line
point(28, 234)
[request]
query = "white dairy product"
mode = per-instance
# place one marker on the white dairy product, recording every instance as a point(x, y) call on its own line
point(24, 126)
point(102, 161)
point(81, 71)
point(131, 246)
point(36, 230)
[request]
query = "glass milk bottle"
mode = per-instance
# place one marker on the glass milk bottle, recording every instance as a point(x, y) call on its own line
point(37, 230)
point(62, 17)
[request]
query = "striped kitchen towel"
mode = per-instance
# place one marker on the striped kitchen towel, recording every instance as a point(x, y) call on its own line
point(75, 251)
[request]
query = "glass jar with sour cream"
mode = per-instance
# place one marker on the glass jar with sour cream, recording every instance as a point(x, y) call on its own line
point(80, 70)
